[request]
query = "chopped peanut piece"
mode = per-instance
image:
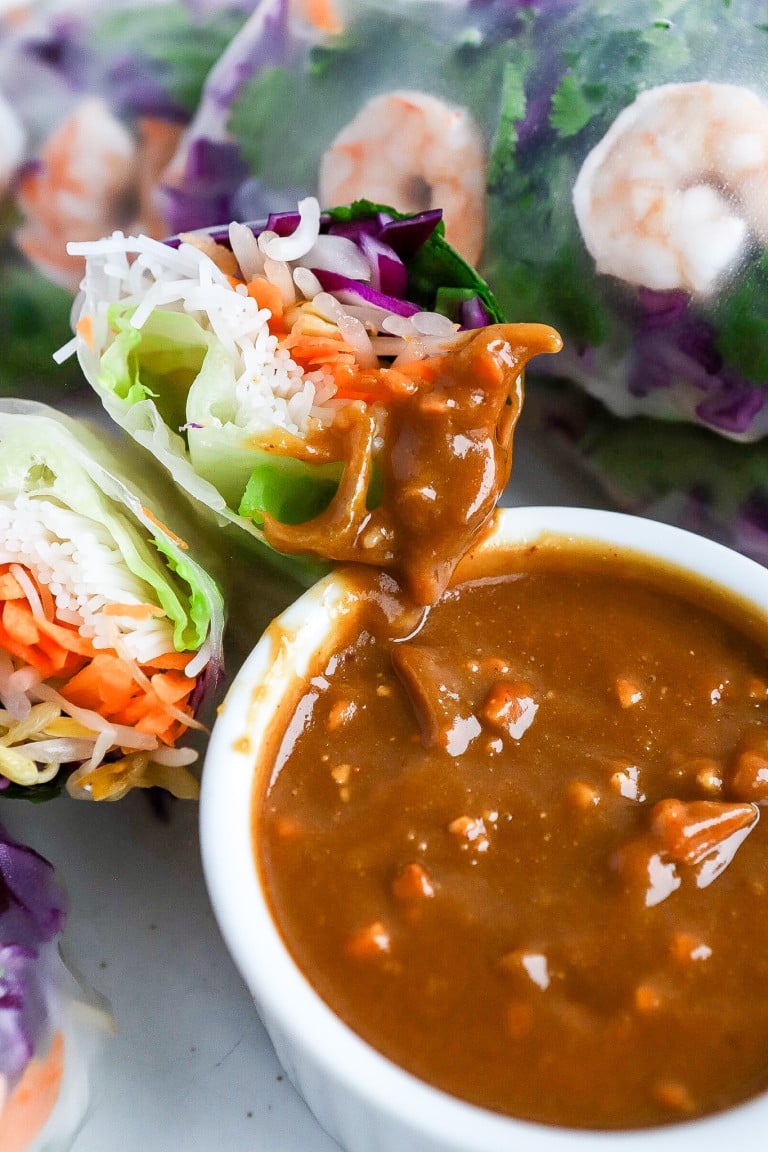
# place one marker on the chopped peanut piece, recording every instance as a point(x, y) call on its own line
point(749, 780)
point(672, 1094)
point(472, 831)
point(757, 689)
point(708, 774)
point(648, 998)
point(691, 831)
point(519, 1020)
point(582, 796)
point(533, 965)
point(685, 947)
point(510, 707)
point(628, 691)
point(340, 714)
point(287, 828)
point(626, 782)
point(369, 942)
point(412, 883)
point(341, 773)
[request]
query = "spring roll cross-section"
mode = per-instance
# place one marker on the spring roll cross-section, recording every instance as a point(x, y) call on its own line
point(110, 631)
point(277, 370)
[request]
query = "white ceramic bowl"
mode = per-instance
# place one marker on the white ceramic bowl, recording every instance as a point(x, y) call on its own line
point(362, 1099)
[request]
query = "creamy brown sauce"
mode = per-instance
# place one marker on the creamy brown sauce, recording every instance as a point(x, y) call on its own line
point(521, 853)
point(443, 444)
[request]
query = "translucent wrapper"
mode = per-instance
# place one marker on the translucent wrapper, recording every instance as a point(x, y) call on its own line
point(602, 164)
point(244, 357)
point(110, 628)
point(51, 1028)
point(668, 471)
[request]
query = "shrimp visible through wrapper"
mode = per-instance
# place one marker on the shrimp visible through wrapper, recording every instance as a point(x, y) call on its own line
point(676, 189)
point(70, 192)
point(413, 151)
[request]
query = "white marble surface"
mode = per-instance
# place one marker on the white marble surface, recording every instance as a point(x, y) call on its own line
point(190, 1067)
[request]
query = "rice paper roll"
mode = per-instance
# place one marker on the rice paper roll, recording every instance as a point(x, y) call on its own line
point(51, 1028)
point(224, 352)
point(110, 630)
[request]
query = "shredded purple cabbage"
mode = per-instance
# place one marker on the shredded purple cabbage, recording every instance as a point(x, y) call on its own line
point(674, 347)
point(213, 168)
point(351, 291)
point(32, 914)
point(205, 190)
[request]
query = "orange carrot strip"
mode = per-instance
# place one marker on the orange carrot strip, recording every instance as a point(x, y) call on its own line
point(178, 660)
point(67, 638)
point(32, 1101)
point(171, 687)
point(153, 723)
point(105, 685)
point(324, 16)
point(27, 654)
point(133, 611)
point(267, 295)
point(10, 589)
point(84, 329)
point(20, 623)
point(176, 539)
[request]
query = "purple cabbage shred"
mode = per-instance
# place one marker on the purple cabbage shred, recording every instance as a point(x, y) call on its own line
point(32, 914)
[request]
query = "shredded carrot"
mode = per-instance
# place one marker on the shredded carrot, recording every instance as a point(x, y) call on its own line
point(324, 16)
point(164, 527)
point(84, 329)
point(171, 686)
point(29, 1106)
point(108, 686)
point(133, 611)
point(177, 660)
point(10, 589)
point(19, 622)
point(267, 295)
point(152, 697)
point(106, 680)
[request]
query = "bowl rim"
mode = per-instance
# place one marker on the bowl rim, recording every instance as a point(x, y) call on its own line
point(283, 995)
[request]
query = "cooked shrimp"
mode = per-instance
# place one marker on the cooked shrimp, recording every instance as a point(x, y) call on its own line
point(676, 189)
point(75, 189)
point(412, 151)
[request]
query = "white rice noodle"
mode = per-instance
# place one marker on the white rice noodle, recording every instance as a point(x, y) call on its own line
point(433, 324)
point(279, 274)
point(28, 588)
point(175, 757)
point(271, 390)
point(75, 559)
point(307, 283)
point(246, 249)
point(300, 242)
point(353, 331)
point(328, 307)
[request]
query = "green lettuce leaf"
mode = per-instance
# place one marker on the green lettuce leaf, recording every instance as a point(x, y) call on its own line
point(43, 454)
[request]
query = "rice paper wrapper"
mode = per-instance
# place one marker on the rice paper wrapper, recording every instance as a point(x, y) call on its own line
point(52, 1027)
point(673, 472)
point(650, 261)
point(190, 366)
point(97, 585)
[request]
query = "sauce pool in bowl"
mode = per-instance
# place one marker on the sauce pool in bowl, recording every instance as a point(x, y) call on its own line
point(517, 851)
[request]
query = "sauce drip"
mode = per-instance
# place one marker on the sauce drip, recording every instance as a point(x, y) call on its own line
point(443, 448)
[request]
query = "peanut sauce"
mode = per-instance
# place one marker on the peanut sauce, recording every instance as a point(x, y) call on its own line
point(444, 456)
point(520, 851)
